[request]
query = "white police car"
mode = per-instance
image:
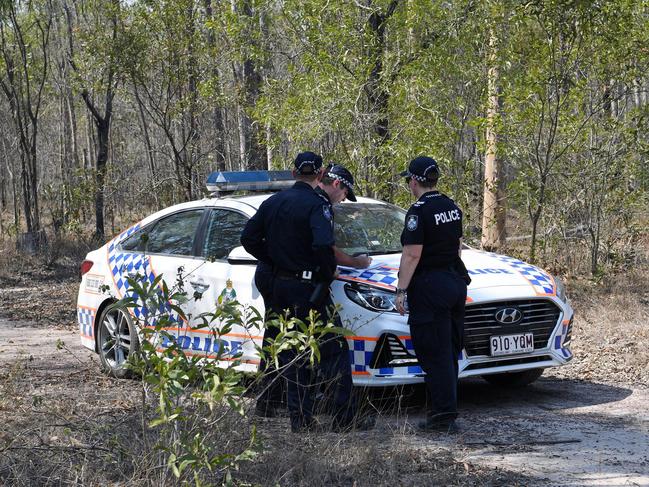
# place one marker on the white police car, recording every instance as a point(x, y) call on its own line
point(518, 320)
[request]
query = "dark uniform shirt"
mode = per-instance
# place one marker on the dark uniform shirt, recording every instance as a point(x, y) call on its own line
point(325, 197)
point(293, 229)
point(435, 222)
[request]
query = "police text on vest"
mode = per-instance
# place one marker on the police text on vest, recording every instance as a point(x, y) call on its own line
point(447, 216)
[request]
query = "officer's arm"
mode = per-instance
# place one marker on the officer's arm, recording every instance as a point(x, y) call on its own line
point(409, 260)
point(253, 237)
point(323, 241)
point(360, 261)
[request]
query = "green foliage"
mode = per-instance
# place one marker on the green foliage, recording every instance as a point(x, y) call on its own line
point(194, 394)
point(367, 84)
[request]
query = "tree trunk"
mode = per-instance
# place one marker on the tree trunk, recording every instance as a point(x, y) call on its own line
point(493, 213)
point(102, 124)
point(24, 89)
point(252, 150)
point(217, 111)
point(149, 147)
point(377, 95)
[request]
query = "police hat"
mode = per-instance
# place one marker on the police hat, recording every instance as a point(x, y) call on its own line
point(308, 163)
point(422, 169)
point(336, 171)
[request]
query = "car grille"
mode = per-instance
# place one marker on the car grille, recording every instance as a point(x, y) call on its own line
point(540, 317)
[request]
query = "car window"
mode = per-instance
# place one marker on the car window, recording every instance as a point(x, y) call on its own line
point(134, 242)
point(223, 233)
point(174, 234)
point(368, 228)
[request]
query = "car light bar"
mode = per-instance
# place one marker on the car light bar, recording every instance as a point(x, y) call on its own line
point(222, 181)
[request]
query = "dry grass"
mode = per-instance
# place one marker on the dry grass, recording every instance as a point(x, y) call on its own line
point(610, 333)
point(65, 423)
point(31, 289)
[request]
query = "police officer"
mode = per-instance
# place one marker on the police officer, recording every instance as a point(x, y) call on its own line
point(431, 275)
point(337, 184)
point(293, 230)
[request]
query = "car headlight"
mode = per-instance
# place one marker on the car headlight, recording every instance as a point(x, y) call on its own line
point(561, 289)
point(372, 298)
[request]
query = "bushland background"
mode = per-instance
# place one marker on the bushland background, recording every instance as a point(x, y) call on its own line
point(536, 111)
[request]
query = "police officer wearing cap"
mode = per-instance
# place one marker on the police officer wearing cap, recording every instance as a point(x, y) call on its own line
point(337, 184)
point(293, 230)
point(433, 278)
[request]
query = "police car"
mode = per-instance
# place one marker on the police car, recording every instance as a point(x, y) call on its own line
point(518, 320)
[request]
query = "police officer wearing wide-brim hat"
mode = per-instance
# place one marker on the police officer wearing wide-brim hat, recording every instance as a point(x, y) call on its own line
point(293, 230)
point(432, 276)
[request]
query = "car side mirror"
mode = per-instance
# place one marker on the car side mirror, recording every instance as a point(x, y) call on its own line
point(239, 256)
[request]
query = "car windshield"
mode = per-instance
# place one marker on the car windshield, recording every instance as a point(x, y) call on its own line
point(368, 228)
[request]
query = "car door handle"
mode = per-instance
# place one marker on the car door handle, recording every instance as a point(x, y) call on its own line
point(199, 285)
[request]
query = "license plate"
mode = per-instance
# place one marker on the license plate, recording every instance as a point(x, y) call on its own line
point(510, 344)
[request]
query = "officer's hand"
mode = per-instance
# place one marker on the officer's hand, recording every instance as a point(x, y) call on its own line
point(401, 303)
point(363, 261)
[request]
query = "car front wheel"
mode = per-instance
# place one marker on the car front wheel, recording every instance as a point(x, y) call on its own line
point(117, 340)
point(513, 380)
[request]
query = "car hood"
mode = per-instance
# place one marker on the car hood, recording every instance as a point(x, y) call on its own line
point(485, 268)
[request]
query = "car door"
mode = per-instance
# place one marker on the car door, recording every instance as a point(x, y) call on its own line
point(221, 281)
point(167, 247)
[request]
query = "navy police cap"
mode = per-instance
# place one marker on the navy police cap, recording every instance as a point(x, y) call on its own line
point(422, 169)
point(307, 163)
point(342, 174)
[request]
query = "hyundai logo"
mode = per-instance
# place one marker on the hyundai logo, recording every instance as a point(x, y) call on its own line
point(508, 316)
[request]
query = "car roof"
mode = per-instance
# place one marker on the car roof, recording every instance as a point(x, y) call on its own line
point(247, 203)
point(255, 200)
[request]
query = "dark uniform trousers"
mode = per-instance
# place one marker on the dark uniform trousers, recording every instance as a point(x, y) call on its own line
point(334, 368)
point(438, 340)
point(271, 386)
point(335, 375)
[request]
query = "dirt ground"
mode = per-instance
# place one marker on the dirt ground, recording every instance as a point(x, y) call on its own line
point(585, 424)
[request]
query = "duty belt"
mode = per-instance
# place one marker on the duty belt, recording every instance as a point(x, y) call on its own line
point(299, 275)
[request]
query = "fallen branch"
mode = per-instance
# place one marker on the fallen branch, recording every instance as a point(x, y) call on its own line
point(58, 447)
point(533, 442)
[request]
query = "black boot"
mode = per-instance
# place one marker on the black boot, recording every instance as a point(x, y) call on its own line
point(448, 427)
point(265, 409)
point(300, 424)
point(364, 423)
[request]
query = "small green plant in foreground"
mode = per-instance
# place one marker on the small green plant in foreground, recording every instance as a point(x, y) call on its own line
point(197, 399)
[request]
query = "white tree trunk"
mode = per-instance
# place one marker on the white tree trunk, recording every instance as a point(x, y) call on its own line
point(493, 215)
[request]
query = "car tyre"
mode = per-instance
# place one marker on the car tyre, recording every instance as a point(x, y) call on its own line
point(513, 380)
point(117, 339)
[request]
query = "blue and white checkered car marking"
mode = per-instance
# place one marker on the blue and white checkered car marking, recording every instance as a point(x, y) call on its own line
point(360, 353)
point(558, 340)
point(123, 263)
point(383, 276)
point(541, 281)
point(86, 319)
point(361, 350)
